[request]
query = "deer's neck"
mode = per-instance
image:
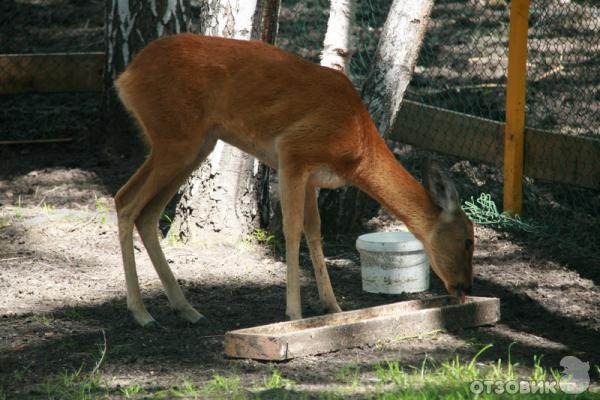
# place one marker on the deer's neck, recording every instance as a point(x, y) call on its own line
point(388, 182)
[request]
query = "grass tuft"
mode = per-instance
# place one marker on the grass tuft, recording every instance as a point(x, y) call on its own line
point(19, 210)
point(102, 208)
point(75, 385)
point(221, 387)
point(350, 373)
point(45, 319)
point(262, 236)
point(133, 391)
point(73, 313)
point(277, 381)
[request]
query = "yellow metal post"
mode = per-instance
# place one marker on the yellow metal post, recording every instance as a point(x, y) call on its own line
point(514, 140)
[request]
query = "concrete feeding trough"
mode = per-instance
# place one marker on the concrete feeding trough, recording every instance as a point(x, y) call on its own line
point(316, 335)
point(392, 262)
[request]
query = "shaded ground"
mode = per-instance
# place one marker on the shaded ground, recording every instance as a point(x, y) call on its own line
point(61, 285)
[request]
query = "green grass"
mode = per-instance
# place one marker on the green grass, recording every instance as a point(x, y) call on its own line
point(44, 319)
point(262, 236)
point(47, 208)
point(20, 374)
point(349, 374)
point(186, 390)
point(133, 391)
point(450, 379)
point(221, 387)
point(101, 205)
point(102, 208)
point(453, 379)
point(73, 313)
point(276, 381)
point(4, 221)
point(390, 372)
point(19, 210)
point(258, 236)
point(74, 385)
point(172, 237)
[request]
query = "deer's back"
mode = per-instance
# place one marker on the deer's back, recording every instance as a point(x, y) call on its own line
point(250, 94)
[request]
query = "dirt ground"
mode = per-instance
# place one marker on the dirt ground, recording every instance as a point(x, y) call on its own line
point(61, 286)
point(62, 289)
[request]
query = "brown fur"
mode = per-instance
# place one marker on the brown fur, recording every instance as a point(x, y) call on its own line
point(307, 121)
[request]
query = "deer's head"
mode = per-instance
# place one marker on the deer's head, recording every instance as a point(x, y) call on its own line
point(450, 243)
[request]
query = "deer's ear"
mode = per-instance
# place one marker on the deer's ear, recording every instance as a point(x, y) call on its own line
point(442, 190)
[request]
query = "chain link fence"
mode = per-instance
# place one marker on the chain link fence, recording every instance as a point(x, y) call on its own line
point(456, 102)
point(462, 68)
point(456, 94)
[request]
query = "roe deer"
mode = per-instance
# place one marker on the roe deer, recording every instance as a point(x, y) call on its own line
point(307, 121)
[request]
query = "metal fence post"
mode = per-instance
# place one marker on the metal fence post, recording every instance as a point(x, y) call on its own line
point(514, 140)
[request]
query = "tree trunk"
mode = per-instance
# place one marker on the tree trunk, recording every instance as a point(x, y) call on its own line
point(266, 22)
point(337, 46)
point(266, 26)
point(395, 60)
point(390, 74)
point(129, 26)
point(221, 198)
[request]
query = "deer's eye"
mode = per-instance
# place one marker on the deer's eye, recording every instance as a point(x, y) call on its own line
point(468, 244)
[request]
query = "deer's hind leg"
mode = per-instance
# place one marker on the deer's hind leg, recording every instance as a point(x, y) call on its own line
point(147, 226)
point(150, 187)
point(126, 212)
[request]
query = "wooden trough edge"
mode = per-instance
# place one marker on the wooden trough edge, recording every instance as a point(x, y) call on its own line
point(317, 335)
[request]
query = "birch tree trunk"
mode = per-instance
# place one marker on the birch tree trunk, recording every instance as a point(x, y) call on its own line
point(395, 60)
point(390, 74)
point(337, 46)
point(220, 201)
point(129, 26)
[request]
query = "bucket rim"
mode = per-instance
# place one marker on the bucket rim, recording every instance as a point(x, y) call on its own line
point(385, 242)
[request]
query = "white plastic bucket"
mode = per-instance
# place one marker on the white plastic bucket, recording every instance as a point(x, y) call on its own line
point(392, 262)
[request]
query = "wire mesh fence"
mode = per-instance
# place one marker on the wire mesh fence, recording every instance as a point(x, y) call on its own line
point(462, 68)
point(564, 67)
point(458, 92)
point(460, 74)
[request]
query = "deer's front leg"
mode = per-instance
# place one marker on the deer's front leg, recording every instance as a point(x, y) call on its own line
point(292, 189)
point(312, 231)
